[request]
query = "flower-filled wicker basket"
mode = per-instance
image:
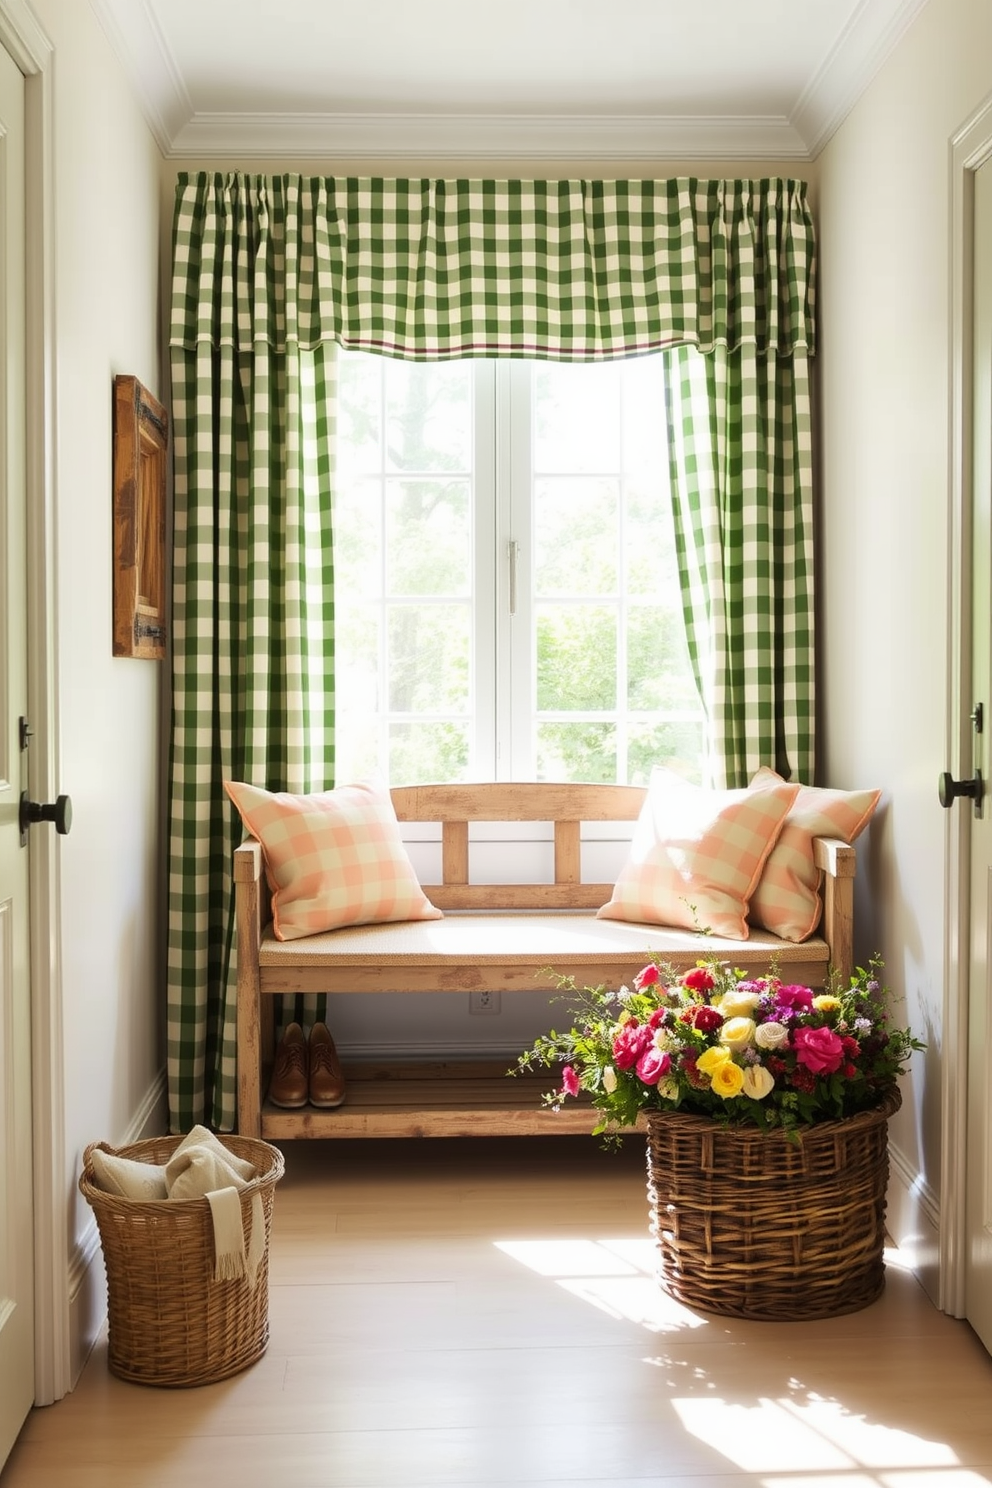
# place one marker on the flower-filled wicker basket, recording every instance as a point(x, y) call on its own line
point(170, 1321)
point(770, 1224)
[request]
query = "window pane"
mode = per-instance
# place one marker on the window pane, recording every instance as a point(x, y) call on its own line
point(357, 539)
point(576, 417)
point(577, 751)
point(576, 658)
point(649, 541)
point(678, 745)
point(428, 658)
point(658, 675)
point(428, 537)
point(644, 434)
point(429, 416)
point(421, 752)
point(575, 532)
point(357, 630)
point(359, 413)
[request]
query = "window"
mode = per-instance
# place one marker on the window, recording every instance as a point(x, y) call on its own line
point(506, 596)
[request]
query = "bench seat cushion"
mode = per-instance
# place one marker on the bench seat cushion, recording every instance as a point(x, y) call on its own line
point(527, 939)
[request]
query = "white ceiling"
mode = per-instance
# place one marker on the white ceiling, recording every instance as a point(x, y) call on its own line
point(689, 79)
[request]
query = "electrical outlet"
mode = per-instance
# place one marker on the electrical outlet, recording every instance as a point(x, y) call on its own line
point(483, 1002)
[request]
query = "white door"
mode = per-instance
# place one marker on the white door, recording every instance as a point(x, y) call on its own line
point(978, 1260)
point(16, 1236)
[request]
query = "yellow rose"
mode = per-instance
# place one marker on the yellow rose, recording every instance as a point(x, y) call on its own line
point(609, 1079)
point(825, 1003)
point(737, 1033)
point(757, 1082)
point(728, 1080)
point(711, 1061)
point(738, 1004)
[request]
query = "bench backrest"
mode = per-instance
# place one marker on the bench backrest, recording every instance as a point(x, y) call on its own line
point(565, 806)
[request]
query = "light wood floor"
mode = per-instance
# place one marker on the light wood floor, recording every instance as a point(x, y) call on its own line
point(482, 1313)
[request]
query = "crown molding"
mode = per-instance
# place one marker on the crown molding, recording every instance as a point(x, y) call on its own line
point(149, 65)
point(484, 136)
point(136, 38)
point(871, 34)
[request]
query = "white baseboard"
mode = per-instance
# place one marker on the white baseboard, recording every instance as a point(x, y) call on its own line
point(87, 1280)
point(912, 1220)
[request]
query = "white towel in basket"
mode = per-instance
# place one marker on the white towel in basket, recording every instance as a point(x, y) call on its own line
point(202, 1167)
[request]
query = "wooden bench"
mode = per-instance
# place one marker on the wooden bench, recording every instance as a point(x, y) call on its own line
point(495, 937)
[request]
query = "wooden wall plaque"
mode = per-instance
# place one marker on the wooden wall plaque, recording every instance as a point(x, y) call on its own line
point(141, 442)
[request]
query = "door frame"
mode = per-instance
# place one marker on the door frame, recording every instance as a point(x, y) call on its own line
point(971, 147)
point(26, 41)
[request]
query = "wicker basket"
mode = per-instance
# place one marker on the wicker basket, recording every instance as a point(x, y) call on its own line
point(170, 1322)
point(751, 1224)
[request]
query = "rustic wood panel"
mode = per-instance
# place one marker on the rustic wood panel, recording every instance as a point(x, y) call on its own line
point(141, 441)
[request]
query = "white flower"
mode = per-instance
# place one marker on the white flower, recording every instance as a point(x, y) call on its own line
point(609, 1079)
point(668, 1087)
point(771, 1035)
point(757, 1082)
point(665, 1041)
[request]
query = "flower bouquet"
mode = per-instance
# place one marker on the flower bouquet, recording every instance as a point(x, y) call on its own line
point(766, 1108)
point(753, 1051)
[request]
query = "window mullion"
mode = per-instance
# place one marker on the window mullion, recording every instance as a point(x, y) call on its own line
point(517, 679)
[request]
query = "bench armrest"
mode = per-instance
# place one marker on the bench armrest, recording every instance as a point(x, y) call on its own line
point(838, 862)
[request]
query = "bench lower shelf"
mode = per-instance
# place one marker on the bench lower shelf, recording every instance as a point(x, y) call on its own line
point(456, 1099)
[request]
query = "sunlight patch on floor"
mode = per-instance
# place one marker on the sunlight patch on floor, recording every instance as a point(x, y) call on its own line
point(958, 1477)
point(616, 1276)
point(869, 1442)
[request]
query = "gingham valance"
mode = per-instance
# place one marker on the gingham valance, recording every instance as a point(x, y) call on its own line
point(565, 270)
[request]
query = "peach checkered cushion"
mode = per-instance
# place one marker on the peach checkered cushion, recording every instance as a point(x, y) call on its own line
point(696, 855)
point(788, 900)
point(335, 858)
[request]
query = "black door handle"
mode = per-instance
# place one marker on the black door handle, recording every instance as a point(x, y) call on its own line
point(949, 789)
point(59, 812)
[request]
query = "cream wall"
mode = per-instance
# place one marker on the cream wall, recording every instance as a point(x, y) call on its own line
point(106, 234)
point(884, 189)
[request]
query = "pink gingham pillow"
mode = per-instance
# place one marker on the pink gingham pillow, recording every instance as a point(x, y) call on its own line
point(788, 900)
point(332, 859)
point(697, 854)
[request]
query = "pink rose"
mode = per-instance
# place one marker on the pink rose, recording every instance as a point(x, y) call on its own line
point(569, 1081)
point(800, 998)
point(819, 1049)
point(700, 979)
point(630, 1043)
point(647, 978)
point(652, 1064)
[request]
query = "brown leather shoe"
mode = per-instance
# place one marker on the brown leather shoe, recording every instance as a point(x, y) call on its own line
point(289, 1085)
point(326, 1075)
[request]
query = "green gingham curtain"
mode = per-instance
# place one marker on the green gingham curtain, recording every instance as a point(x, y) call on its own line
point(270, 274)
point(741, 482)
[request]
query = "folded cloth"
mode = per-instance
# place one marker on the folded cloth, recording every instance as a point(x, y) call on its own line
point(201, 1136)
point(193, 1171)
point(126, 1177)
point(206, 1169)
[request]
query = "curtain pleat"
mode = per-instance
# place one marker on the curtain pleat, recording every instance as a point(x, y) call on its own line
point(270, 275)
point(253, 665)
point(740, 456)
point(422, 269)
